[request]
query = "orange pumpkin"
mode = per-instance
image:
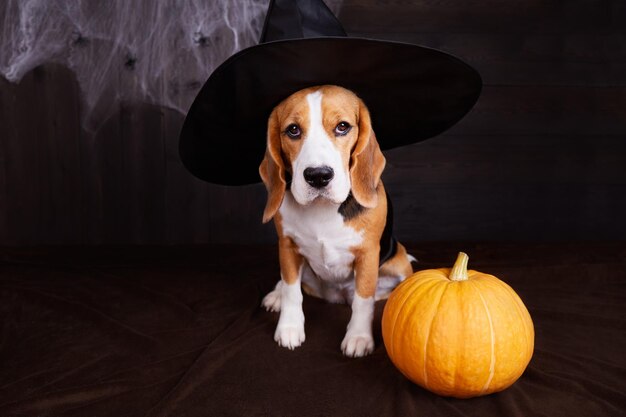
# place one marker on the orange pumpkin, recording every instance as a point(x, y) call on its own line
point(456, 332)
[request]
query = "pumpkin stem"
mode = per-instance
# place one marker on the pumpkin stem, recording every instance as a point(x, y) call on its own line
point(459, 270)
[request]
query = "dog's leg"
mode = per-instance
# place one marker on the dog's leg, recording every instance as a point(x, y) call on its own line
point(311, 285)
point(359, 340)
point(393, 272)
point(290, 329)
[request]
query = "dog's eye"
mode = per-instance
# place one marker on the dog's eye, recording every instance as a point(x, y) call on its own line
point(342, 128)
point(293, 131)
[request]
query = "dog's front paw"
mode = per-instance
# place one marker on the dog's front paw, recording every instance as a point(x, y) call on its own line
point(289, 336)
point(357, 345)
point(271, 301)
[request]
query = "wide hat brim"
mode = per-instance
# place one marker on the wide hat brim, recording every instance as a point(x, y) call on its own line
point(413, 93)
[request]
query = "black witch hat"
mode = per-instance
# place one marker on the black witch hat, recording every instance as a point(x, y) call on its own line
point(413, 93)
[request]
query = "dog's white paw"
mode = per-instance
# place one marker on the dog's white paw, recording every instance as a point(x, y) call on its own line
point(287, 298)
point(271, 301)
point(289, 336)
point(356, 346)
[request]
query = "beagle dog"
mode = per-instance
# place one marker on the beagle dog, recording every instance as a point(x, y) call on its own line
point(322, 169)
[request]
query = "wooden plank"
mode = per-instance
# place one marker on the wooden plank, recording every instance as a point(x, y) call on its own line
point(187, 198)
point(8, 129)
point(546, 110)
point(200, 212)
point(236, 215)
point(509, 188)
point(144, 160)
point(530, 59)
point(525, 159)
point(509, 212)
point(617, 11)
point(110, 220)
point(92, 227)
point(492, 16)
point(59, 156)
point(24, 222)
point(41, 158)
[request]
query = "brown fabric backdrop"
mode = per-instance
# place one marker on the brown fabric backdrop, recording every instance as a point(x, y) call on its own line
point(178, 331)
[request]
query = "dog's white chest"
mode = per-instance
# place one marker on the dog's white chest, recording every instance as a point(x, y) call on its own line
point(322, 237)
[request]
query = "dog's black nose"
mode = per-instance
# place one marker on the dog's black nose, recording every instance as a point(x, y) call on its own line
point(318, 177)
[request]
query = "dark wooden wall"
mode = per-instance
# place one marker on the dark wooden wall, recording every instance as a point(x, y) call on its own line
point(542, 156)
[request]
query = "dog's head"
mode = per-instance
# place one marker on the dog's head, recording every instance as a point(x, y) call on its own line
point(321, 139)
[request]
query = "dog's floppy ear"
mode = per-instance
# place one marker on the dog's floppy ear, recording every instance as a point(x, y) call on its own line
point(272, 169)
point(367, 162)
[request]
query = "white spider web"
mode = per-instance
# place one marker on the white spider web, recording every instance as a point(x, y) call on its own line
point(156, 51)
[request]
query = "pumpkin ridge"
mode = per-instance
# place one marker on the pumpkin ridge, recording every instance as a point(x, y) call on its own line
point(492, 362)
point(426, 284)
point(427, 338)
point(521, 308)
point(411, 287)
